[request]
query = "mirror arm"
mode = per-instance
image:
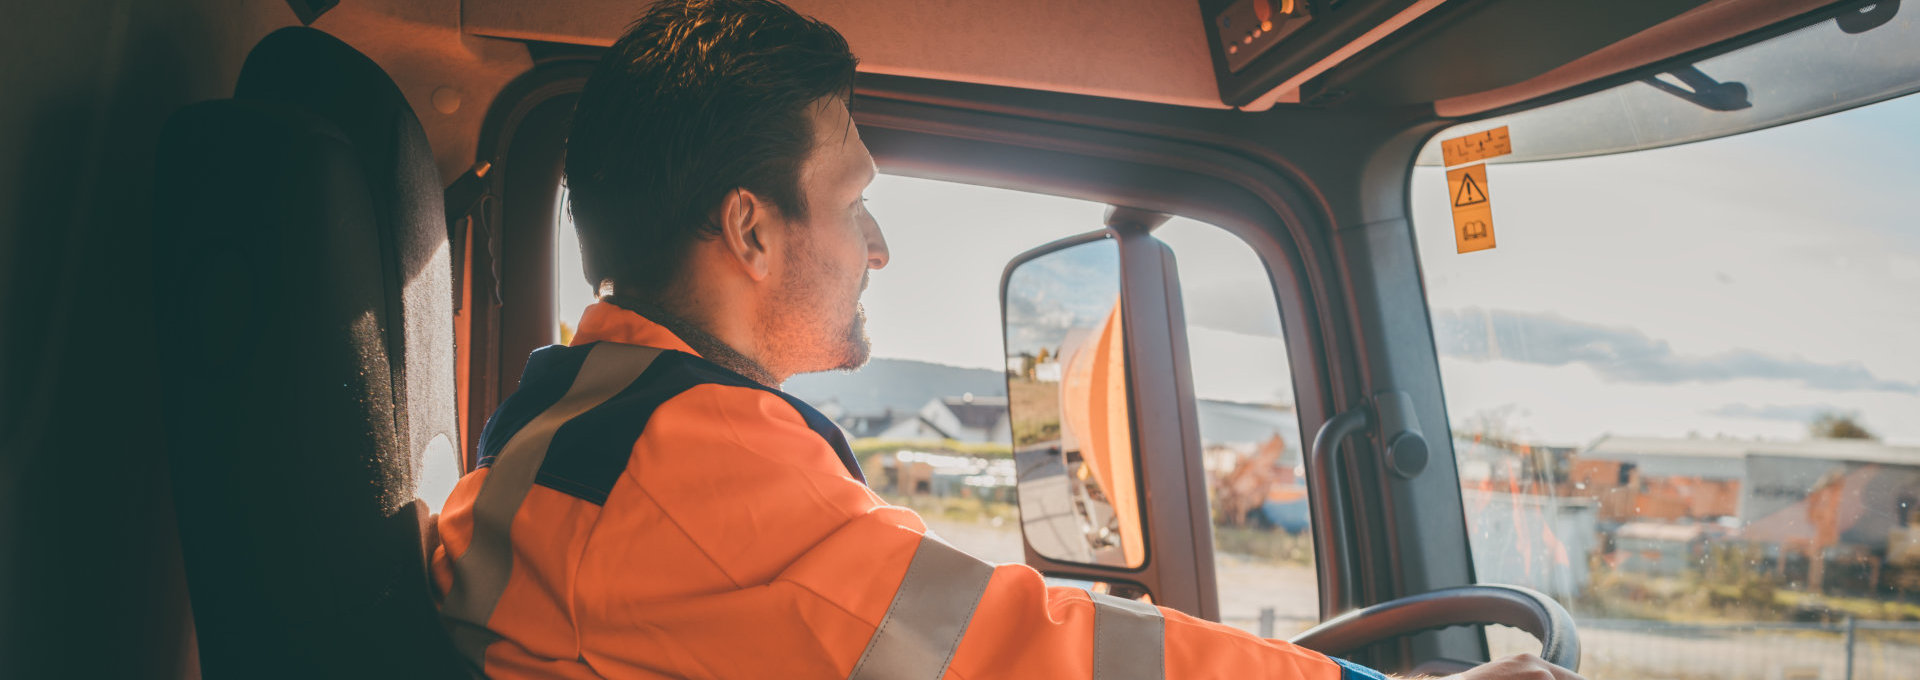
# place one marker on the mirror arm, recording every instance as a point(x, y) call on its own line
point(1330, 538)
point(1120, 217)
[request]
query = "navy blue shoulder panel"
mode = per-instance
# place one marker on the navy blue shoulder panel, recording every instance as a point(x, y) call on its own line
point(590, 452)
point(1353, 671)
point(550, 372)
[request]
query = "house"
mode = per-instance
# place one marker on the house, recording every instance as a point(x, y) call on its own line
point(1814, 502)
point(1761, 478)
point(969, 418)
point(966, 418)
point(1661, 549)
point(864, 425)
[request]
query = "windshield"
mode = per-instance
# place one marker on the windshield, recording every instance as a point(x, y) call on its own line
point(1807, 73)
point(1682, 381)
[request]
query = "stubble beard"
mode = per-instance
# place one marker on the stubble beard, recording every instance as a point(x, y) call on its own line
point(859, 347)
point(816, 344)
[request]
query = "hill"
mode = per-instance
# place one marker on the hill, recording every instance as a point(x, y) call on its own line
point(900, 384)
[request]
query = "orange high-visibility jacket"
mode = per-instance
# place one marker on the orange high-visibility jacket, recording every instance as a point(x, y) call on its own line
point(639, 512)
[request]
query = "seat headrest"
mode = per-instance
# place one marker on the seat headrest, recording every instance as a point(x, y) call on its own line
point(324, 76)
point(317, 73)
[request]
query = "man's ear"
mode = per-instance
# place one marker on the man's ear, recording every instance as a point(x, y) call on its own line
point(746, 230)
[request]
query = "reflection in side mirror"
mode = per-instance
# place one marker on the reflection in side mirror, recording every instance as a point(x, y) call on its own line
point(1067, 396)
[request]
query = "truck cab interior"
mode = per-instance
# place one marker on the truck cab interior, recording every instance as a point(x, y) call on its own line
point(269, 266)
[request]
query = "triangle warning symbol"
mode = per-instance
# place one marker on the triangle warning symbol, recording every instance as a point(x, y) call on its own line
point(1470, 192)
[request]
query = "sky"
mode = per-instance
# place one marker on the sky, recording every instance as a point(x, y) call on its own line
point(1051, 296)
point(1734, 287)
point(938, 299)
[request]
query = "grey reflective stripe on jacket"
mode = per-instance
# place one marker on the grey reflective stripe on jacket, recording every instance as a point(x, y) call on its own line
point(928, 616)
point(480, 574)
point(936, 599)
point(1129, 639)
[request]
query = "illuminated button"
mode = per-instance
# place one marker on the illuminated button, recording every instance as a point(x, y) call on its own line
point(1256, 33)
point(1247, 40)
point(1233, 49)
point(1266, 25)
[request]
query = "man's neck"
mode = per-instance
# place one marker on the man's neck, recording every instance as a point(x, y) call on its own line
point(710, 347)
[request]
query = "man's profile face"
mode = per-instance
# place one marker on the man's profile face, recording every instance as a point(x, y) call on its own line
point(816, 322)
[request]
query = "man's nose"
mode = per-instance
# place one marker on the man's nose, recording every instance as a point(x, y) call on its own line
point(876, 245)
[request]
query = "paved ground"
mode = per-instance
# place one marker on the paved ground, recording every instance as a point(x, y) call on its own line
point(1613, 650)
point(1245, 586)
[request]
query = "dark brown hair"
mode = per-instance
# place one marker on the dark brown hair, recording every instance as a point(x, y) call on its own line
point(699, 98)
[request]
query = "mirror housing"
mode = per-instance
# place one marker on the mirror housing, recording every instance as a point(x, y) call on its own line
point(1070, 407)
point(1147, 414)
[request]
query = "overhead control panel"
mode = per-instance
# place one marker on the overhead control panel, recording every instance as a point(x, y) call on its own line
point(1248, 28)
point(1259, 45)
point(1384, 53)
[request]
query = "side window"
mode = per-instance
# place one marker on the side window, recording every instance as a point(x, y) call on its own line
point(1684, 391)
point(927, 416)
point(571, 290)
point(1249, 432)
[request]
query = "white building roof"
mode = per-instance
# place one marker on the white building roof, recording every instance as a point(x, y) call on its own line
point(1610, 447)
point(1727, 458)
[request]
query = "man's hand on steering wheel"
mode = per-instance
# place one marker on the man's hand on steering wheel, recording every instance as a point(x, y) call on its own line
point(1517, 667)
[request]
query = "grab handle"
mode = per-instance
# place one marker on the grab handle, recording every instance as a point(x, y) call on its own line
point(1327, 509)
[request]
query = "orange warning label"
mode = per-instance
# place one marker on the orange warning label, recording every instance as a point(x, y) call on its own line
point(1472, 208)
point(1476, 146)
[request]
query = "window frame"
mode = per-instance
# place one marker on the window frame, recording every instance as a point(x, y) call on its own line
point(1046, 143)
point(508, 286)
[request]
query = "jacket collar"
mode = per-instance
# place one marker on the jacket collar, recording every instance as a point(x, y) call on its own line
point(607, 322)
point(636, 322)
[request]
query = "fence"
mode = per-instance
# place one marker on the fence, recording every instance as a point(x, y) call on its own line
point(1653, 650)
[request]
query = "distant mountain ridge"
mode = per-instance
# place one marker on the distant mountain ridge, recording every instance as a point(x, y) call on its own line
point(906, 385)
point(899, 384)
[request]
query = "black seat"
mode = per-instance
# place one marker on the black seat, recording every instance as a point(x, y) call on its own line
point(306, 326)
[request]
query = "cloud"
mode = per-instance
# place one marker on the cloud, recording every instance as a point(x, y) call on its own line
point(1628, 355)
point(1051, 295)
point(1233, 306)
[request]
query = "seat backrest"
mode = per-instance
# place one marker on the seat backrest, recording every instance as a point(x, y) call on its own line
point(305, 312)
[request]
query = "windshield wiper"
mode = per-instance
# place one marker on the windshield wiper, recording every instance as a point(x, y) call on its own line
point(1706, 92)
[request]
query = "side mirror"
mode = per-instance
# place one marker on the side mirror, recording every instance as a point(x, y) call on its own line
point(1100, 396)
point(1068, 400)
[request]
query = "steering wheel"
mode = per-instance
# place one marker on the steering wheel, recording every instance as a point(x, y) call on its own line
point(1522, 608)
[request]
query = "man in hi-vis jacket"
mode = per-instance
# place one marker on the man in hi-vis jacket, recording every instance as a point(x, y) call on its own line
point(648, 504)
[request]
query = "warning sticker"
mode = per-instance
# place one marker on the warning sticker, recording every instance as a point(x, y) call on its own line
point(1472, 208)
point(1475, 147)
